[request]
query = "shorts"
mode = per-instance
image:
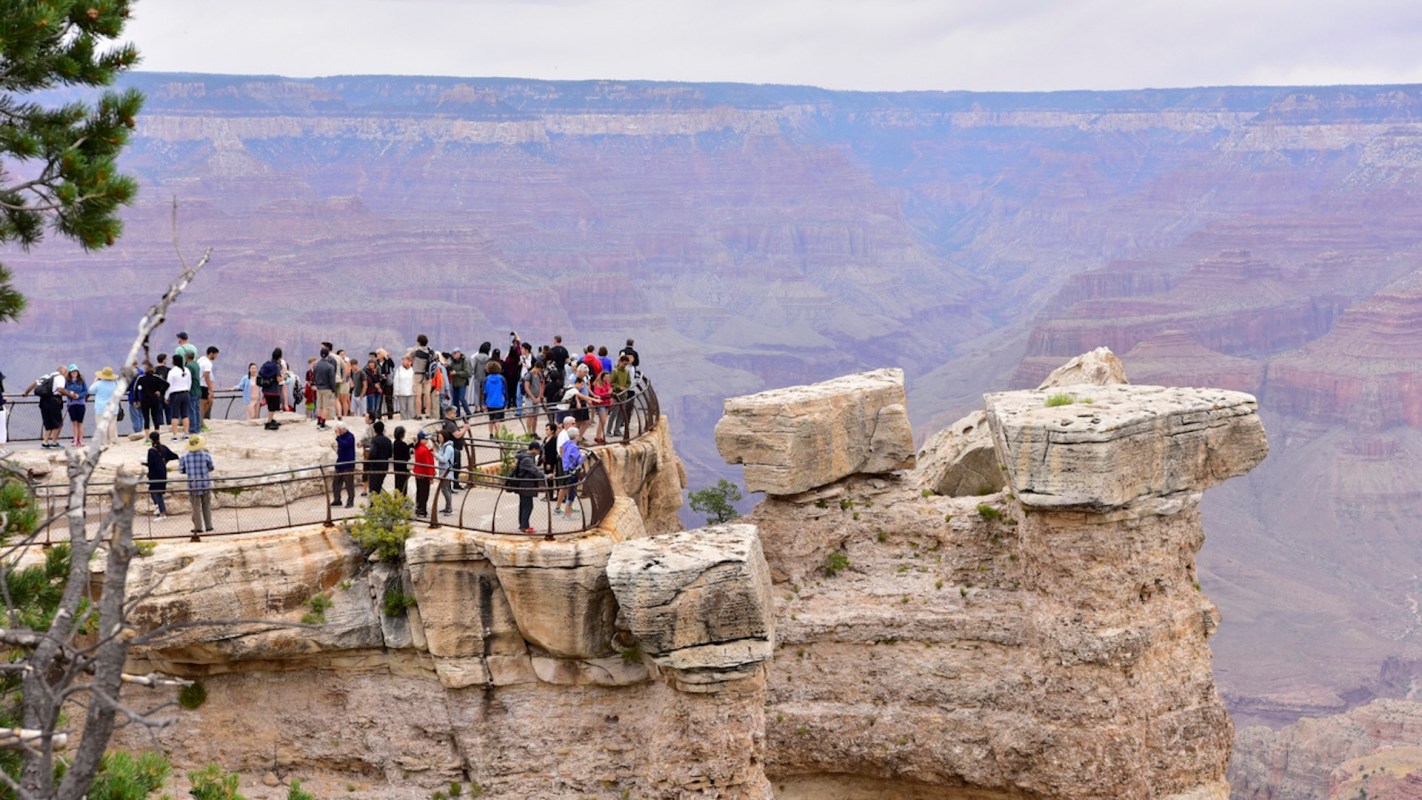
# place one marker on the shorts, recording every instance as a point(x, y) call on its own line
point(204, 391)
point(273, 402)
point(52, 412)
point(76, 412)
point(178, 405)
point(325, 403)
point(581, 413)
point(496, 414)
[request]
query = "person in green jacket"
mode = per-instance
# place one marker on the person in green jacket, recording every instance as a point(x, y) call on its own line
point(459, 370)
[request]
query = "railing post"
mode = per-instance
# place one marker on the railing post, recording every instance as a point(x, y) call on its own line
point(326, 498)
point(435, 499)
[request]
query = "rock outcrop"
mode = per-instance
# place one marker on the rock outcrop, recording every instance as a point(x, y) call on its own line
point(1105, 447)
point(698, 602)
point(858, 638)
point(477, 658)
point(960, 460)
point(794, 439)
point(1003, 645)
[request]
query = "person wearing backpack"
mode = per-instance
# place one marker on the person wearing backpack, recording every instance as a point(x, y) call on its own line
point(527, 479)
point(269, 379)
point(48, 388)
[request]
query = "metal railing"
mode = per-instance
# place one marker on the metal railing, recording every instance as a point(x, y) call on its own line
point(487, 503)
point(23, 423)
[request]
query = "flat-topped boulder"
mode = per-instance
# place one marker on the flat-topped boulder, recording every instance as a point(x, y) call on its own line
point(698, 601)
point(798, 438)
point(960, 460)
point(1103, 447)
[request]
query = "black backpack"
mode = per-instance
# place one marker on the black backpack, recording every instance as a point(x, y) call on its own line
point(44, 387)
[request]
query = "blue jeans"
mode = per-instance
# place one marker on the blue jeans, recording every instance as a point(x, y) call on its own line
point(372, 404)
point(135, 416)
point(460, 399)
point(195, 411)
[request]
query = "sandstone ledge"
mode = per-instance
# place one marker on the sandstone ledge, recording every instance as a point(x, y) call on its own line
point(795, 439)
point(1115, 444)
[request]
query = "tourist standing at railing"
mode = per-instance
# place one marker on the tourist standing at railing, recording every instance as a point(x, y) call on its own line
point(621, 394)
point(495, 395)
point(513, 370)
point(478, 371)
point(373, 385)
point(135, 410)
point(158, 457)
point(270, 381)
point(197, 465)
point(385, 365)
point(527, 480)
point(378, 462)
point(152, 389)
point(552, 461)
point(251, 398)
point(323, 378)
point(178, 382)
point(579, 401)
point(451, 425)
point(76, 394)
point(424, 471)
point(460, 373)
point(631, 352)
point(444, 465)
point(572, 457)
point(604, 359)
point(105, 384)
point(525, 364)
point(208, 383)
point(194, 396)
point(50, 391)
point(420, 356)
point(193, 411)
point(552, 387)
point(533, 385)
point(345, 447)
point(405, 388)
point(602, 403)
point(400, 453)
point(344, 367)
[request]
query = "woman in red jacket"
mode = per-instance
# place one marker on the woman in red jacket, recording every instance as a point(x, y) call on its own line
point(424, 471)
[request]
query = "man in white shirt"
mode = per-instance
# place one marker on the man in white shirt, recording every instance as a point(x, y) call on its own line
point(206, 378)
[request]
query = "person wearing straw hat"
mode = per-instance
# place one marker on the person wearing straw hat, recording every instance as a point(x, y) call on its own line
point(197, 465)
point(102, 390)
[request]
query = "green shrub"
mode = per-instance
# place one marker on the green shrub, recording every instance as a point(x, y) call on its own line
point(835, 563)
point(396, 602)
point(632, 655)
point(1060, 399)
point(211, 783)
point(193, 696)
point(385, 525)
point(317, 614)
point(989, 513)
point(125, 777)
point(295, 792)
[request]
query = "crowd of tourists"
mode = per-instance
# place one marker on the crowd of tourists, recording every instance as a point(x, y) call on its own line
point(520, 386)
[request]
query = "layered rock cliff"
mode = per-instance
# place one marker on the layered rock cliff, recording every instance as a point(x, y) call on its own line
point(863, 637)
point(1046, 640)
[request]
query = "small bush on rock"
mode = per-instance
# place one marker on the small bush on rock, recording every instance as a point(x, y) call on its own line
point(211, 783)
point(836, 563)
point(385, 525)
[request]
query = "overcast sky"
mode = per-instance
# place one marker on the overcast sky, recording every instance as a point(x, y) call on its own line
point(1018, 45)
